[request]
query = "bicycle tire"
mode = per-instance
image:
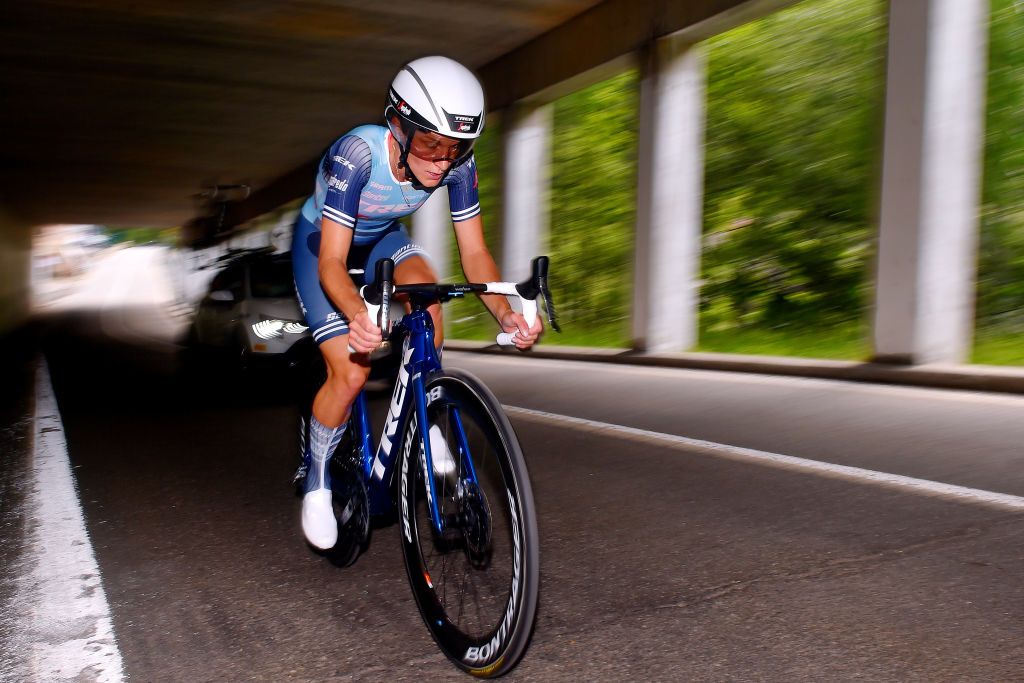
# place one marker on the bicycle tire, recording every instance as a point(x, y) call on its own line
point(493, 556)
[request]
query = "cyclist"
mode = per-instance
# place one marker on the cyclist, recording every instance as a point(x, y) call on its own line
point(368, 179)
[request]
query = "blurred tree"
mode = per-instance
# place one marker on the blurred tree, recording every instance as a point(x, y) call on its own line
point(142, 235)
point(793, 130)
point(592, 215)
point(1001, 254)
point(794, 122)
point(593, 210)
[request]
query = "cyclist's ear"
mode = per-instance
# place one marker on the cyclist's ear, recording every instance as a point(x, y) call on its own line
point(397, 130)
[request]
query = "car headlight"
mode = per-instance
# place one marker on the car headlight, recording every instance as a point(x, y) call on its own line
point(272, 328)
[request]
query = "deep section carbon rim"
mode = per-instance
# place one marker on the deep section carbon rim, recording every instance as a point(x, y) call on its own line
point(476, 583)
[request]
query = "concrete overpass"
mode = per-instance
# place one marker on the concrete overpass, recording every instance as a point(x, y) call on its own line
point(119, 115)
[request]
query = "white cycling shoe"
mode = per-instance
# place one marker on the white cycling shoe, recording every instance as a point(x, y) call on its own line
point(444, 463)
point(318, 523)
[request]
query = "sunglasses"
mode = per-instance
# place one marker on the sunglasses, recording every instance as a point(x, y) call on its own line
point(437, 148)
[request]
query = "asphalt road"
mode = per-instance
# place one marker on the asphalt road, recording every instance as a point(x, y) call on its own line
point(659, 561)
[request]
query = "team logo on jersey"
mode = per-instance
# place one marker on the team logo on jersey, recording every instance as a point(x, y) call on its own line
point(368, 210)
point(345, 162)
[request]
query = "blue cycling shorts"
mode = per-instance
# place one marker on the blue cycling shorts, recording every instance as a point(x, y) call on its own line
point(324, 319)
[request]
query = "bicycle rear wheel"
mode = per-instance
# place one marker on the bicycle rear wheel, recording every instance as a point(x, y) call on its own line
point(477, 583)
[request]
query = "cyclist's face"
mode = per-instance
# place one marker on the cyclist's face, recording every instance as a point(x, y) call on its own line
point(432, 154)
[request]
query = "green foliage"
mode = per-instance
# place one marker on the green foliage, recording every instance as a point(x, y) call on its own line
point(997, 345)
point(844, 341)
point(143, 235)
point(1000, 295)
point(793, 130)
point(793, 134)
point(593, 209)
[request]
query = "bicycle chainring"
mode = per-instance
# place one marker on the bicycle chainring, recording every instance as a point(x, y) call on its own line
point(351, 510)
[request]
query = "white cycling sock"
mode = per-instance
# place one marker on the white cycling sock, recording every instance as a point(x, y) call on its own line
point(322, 442)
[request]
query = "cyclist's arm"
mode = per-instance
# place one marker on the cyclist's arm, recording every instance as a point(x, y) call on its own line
point(346, 170)
point(335, 241)
point(479, 266)
point(477, 262)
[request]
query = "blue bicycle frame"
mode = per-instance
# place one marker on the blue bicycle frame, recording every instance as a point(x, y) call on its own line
point(419, 361)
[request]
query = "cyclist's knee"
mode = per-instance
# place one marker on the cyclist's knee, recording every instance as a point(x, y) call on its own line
point(345, 376)
point(355, 376)
point(414, 269)
point(345, 382)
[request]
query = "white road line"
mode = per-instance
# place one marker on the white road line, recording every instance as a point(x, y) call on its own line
point(67, 627)
point(924, 486)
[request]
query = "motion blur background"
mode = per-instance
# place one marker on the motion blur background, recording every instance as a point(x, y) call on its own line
point(826, 179)
point(793, 136)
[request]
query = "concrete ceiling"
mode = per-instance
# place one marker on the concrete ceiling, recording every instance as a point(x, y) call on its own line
point(118, 113)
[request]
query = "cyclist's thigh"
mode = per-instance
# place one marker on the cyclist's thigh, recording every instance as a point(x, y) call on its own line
point(400, 248)
point(414, 269)
point(324, 320)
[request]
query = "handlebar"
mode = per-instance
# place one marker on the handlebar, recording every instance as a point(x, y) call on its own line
point(378, 296)
point(528, 292)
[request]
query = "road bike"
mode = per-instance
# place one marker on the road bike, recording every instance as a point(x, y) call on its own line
point(449, 464)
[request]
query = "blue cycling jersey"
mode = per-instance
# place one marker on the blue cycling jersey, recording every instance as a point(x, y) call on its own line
point(356, 188)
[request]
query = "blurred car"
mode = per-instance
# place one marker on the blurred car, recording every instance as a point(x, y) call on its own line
point(250, 309)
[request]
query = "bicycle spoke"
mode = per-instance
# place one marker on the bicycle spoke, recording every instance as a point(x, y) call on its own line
point(476, 582)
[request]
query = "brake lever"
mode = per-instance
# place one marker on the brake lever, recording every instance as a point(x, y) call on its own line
point(383, 314)
point(545, 294)
point(538, 285)
point(385, 276)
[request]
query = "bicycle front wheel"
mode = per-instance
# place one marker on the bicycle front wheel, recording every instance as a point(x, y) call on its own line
point(476, 582)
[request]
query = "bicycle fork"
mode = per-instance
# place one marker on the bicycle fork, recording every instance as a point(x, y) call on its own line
point(407, 424)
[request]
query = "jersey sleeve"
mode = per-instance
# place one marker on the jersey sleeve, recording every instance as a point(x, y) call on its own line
point(463, 195)
point(346, 168)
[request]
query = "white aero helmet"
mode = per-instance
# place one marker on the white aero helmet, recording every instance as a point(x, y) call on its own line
point(435, 94)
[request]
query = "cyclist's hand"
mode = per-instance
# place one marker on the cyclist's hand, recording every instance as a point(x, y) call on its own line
point(525, 336)
point(363, 334)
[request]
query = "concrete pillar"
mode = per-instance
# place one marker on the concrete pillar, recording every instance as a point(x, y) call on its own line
point(432, 230)
point(670, 184)
point(527, 174)
point(931, 174)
